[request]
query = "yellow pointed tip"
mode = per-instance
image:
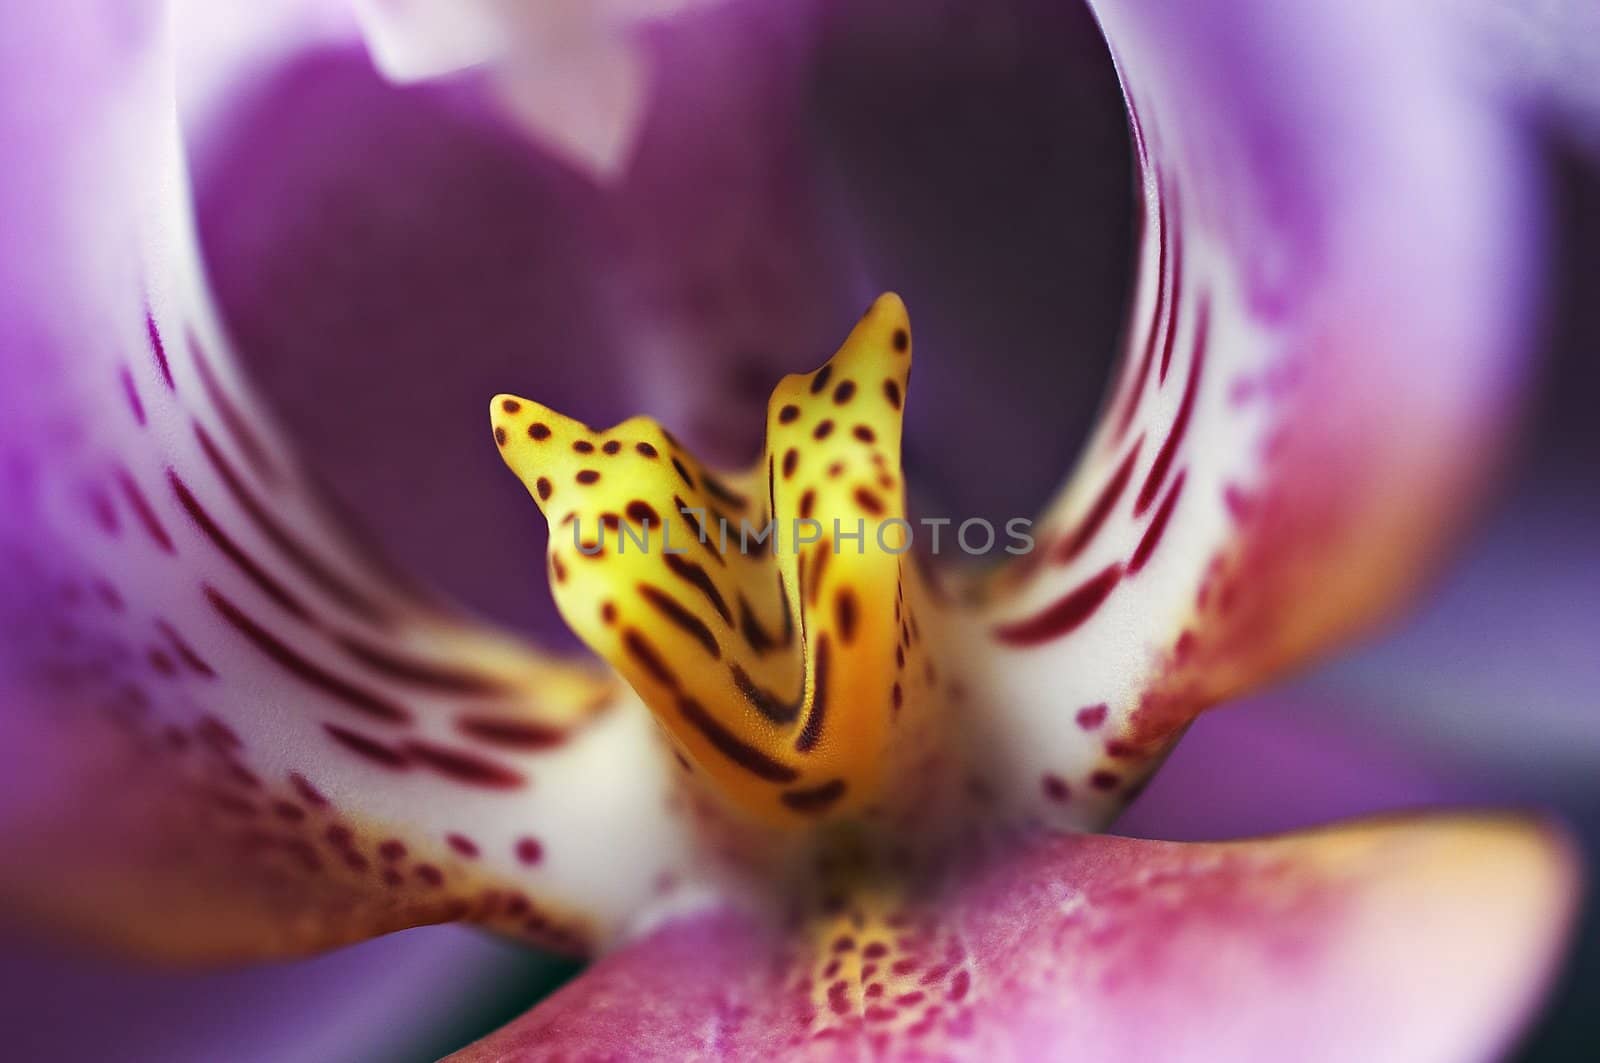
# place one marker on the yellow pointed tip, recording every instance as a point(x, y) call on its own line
point(778, 666)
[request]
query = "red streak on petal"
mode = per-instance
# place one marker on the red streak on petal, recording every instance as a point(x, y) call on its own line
point(237, 424)
point(297, 553)
point(1092, 522)
point(1180, 425)
point(513, 734)
point(147, 516)
point(1066, 615)
point(464, 767)
point(160, 350)
point(369, 749)
point(1158, 525)
point(306, 671)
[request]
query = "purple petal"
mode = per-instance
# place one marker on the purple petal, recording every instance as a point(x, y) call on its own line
point(230, 730)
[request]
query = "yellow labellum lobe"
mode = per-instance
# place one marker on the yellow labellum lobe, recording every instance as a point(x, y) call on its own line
point(766, 618)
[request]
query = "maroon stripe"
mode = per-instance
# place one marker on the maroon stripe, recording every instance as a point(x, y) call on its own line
point(307, 672)
point(811, 733)
point(368, 748)
point(314, 570)
point(1180, 425)
point(132, 391)
point(731, 746)
point(160, 350)
point(465, 767)
point(186, 652)
point(1092, 522)
point(1130, 402)
point(643, 652)
point(513, 734)
point(141, 508)
point(1158, 525)
point(1066, 614)
point(670, 608)
point(420, 673)
point(697, 576)
point(264, 580)
point(816, 799)
point(1174, 303)
point(237, 424)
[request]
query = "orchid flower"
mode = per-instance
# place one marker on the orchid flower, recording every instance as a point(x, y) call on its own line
point(832, 798)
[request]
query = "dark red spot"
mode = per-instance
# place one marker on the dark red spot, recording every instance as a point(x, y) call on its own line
point(1104, 780)
point(788, 414)
point(683, 472)
point(1066, 614)
point(264, 580)
point(1091, 717)
point(529, 851)
point(891, 391)
point(510, 405)
point(538, 431)
point(588, 476)
point(645, 449)
point(844, 392)
point(543, 486)
point(500, 437)
point(869, 501)
point(612, 447)
point(820, 381)
point(901, 340)
point(791, 461)
point(393, 850)
point(822, 431)
point(1055, 787)
point(463, 845)
point(845, 612)
point(583, 446)
point(429, 875)
point(865, 434)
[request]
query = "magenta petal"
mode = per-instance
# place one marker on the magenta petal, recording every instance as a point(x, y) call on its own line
point(1408, 939)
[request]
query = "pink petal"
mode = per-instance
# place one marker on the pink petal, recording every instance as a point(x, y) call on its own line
point(1405, 939)
point(229, 729)
point(1324, 348)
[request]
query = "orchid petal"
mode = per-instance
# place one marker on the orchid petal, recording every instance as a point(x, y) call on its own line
point(1321, 358)
point(1416, 940)
point(230, 730)
point(572, 71)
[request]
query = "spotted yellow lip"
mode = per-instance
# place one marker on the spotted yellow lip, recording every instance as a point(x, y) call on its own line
point(770, 618)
